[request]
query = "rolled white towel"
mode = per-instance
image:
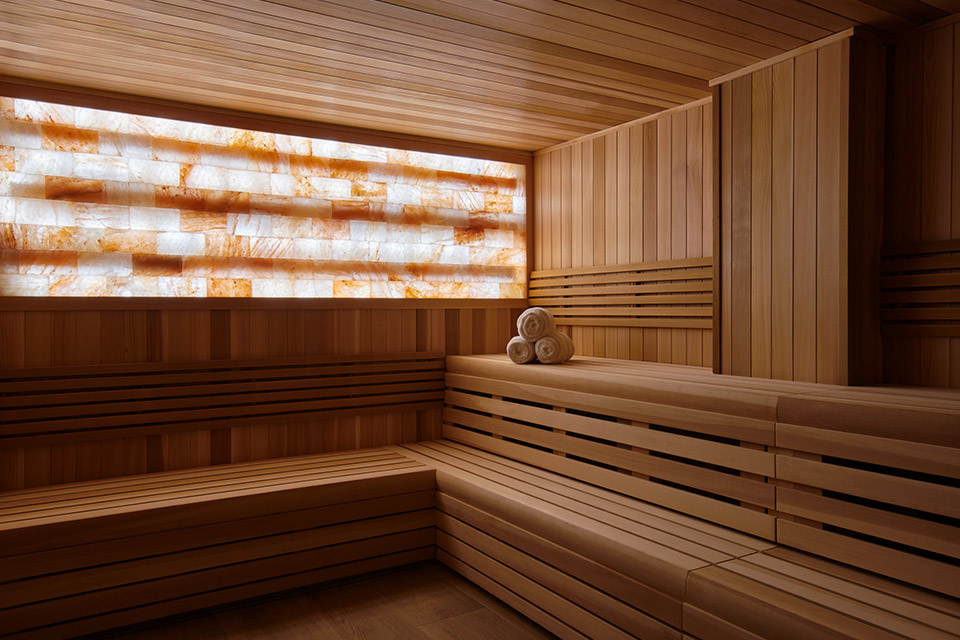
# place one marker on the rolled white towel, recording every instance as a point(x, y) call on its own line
point(521, 351)
point(535, 323)
point(551, 349)
point(571, 348)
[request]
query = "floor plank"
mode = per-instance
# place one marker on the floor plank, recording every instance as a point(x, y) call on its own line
point(422, 602)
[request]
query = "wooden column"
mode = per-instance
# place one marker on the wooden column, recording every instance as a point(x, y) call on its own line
point(799, 193)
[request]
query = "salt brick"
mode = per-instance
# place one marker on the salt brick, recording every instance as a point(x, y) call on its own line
point(24, 285)
point(403, 194)
point(154, 219)
point(95, 167)
point(432, 234)
point(105, 264)
point(154, 172)
point(180, 244)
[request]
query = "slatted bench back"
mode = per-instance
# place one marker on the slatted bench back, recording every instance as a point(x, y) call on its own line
point(920, 292)
point(56, 404)
point(699, 451)
point(873, 482)
point(669, 293)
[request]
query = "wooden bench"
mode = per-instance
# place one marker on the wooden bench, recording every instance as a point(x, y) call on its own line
point(863, 476)
point(84, 557)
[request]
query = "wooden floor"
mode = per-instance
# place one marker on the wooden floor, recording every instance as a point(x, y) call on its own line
point(425, 601)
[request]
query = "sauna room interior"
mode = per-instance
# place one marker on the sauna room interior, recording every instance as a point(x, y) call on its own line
point(260, 263)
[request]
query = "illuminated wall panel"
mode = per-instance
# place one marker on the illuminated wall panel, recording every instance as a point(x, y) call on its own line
point(96, 203)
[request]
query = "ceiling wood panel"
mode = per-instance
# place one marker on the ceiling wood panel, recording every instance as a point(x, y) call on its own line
point(521, 74)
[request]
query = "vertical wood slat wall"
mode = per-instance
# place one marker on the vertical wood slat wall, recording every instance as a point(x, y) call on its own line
point(42, 338)
point(639, 192)
point(799, 185)
point(923, 202)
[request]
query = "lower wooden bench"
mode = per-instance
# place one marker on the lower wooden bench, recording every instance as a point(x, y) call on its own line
point(581, 561)
point(782, 593)
point(80, 558)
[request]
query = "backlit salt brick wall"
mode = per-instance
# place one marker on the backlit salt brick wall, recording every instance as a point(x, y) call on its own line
point(96, 203)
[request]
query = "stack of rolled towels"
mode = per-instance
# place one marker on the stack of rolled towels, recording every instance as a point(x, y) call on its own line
point(539, 339)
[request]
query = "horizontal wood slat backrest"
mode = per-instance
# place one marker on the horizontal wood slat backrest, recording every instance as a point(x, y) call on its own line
point(635, 439)
point(865, 476)
point(65, 404)
point(667, 293)
point(920, 294)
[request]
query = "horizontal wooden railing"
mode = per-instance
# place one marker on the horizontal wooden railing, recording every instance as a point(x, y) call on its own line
point(669, 293)
point(63, 404)
point(920, 290)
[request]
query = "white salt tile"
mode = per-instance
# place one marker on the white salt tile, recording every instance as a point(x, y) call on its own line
point(422, 253)
point(43, 162)
point(283, 185)
point(154, 172)
point(388, 289)
point(12, 284)
point(43, 112)
point(22, 135)
point(47, 212)
point(349, 250)
point(454, 254)
point(100, 216)
point(324, 148)
point(125, 145)
point(105, 264)
point(432, 234)
point(498, 238)
point(269, 288)
point(171, 287)
point(369, 231)
point(144, 286)
point(387, 252)
point(484, 290)
point(204, 177)
point(295, 145)
point(520, 204)
point(253, 224)
point(8, 209)
point(329, 188)
point(180, 244)
point(403, 194)
point(154, 219)
point(103, 120)
point(96, 167)
point(248, 181)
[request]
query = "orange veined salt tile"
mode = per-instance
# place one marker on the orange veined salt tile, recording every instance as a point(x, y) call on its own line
point(229, 288)
point(227, 246)
point(58, 137)
point(7, 108)
point(48, 262)
point(202, 199)
point(154, 265)
point(369, 191)
point(513, 290)
point(252, 140)
point(419, 176)
point(74, 189)
point(348, 210)
point(9, 260)
point(203, 221)
point(331, 229)
point(124, 241)
point(292, 227)
point(484, 220)
point(289, 206)
point(441, 198)
point(7, 159)
point(168, 150)
point(351, 289)
point(498, 203)
point(352, 170)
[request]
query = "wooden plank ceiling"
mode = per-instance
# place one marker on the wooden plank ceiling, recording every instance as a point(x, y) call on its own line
point(522, 74)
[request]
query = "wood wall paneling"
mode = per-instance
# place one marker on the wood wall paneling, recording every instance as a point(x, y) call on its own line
point(638, 193)
point(921, 231)
point(799, 178)
point(52, 337)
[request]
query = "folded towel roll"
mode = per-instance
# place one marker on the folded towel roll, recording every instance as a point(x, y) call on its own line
point(553, 349)
point(521, 351)
point(571, 348)
point(535, 323)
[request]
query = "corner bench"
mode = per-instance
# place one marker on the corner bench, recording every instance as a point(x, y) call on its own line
point(80, 558)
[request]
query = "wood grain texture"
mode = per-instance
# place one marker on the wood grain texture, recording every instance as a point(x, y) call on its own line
point(128, 550)
point(55, 338)
point(799, 178)
point(644, 199)
point(518, 74)
point(921, 341)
